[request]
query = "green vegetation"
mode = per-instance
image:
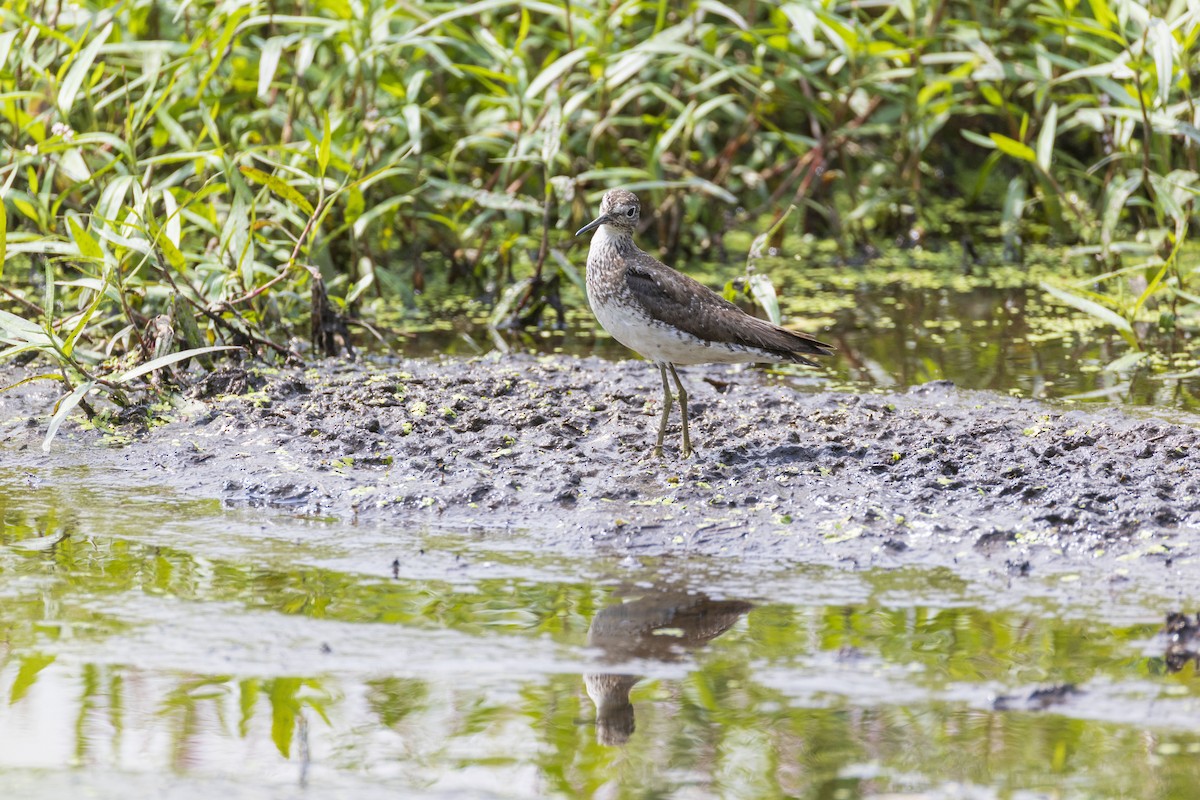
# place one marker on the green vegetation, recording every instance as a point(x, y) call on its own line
point(178, 176)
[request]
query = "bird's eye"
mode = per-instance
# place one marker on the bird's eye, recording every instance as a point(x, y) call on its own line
point(631, 212)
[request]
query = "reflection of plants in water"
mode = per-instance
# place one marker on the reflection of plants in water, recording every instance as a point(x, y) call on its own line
point(286, 698)
point(396, 699)
point(27, 673)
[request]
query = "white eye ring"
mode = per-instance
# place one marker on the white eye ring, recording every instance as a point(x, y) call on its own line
point(630, 213)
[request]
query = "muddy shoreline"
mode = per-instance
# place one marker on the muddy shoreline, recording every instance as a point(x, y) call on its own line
point(557, 447)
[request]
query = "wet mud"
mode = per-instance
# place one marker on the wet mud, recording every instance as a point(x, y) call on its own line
point(558, 447)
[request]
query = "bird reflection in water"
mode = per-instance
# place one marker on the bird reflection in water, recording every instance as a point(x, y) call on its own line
point(661, 626)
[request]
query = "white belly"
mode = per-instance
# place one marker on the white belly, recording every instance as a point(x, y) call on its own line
point(663, 344)
point(652, 339)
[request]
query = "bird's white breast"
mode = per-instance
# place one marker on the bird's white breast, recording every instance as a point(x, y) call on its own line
point(620, 315)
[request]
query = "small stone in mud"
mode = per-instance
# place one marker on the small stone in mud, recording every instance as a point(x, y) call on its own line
point(1019, 569)
point(994, 540)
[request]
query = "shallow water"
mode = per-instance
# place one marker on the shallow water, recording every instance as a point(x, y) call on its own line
point(151, 644)
point(908, 319)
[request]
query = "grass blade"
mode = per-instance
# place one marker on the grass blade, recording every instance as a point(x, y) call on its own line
point(64, 408)
point(1089, 307)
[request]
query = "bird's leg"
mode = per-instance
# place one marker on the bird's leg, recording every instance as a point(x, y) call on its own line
point(687, 441)
point(666, 412)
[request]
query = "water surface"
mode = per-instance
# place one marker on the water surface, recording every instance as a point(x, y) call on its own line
point(151, 644)
point(899, 320)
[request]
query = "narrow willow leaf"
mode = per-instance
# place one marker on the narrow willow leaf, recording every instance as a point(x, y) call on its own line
point(557, 69)
point(568, 269)
point(667, 139)
point(279, 187)
point(1089, 307)
point(763, 292)
point(839, 34)
point(79, 69)
point(1117, 197)
point(217, 50)
point(18, 329)
point(65, 407)
point(507, 299)
point(1152, 286)
point(111, 200)
point(1125, 362)
point(88, 246)
point(268, 62)
point(3, 237)
point(1162, 48)
point(412, 121)
point(758, 246)
point(1045, 147)
point(722, 10)
point(168, 360)
point(171, 225)
point(979, 139)
point(6, 41)
point(1014, 148)
point(1164, 193)
point(1014, 206)
point(326, 144)
point(1104, 14)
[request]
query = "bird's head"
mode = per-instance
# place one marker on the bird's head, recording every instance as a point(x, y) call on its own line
point(619, 208)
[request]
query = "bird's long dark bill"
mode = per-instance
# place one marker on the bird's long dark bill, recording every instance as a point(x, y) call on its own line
point(591, 226)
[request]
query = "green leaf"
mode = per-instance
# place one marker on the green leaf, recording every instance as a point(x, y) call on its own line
point(281, 188)
point(979, 139)
point(1117, 198)
point(1089, 307)
point(1125, 362)
point(268, 62)
point(218, 49)
point(6, 41)
point(1014, 148)
point(1045, 146)
point(65, 406)
point(88, 247)
point(1162, 48)
point(557, 69)
point(763, 292)
point(1152, 286)
point(412, 121)
point(3, 236)
point(324, 148)
point(167, 360)
point(80, 66)
point(667, 139)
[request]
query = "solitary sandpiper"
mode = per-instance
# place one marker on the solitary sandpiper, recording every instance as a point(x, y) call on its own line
point(670, 318)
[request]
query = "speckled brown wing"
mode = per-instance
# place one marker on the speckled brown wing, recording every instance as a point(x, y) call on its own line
point(690, 306)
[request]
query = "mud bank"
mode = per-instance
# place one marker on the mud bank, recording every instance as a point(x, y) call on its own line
point(558, 447)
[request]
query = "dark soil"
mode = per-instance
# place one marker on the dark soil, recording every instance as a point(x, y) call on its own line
point(559, 447)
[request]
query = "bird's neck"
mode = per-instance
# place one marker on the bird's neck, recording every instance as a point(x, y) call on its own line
point(611, 241)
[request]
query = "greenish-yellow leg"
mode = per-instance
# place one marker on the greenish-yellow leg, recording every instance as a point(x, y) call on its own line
point(687, 441)
point(666, 412)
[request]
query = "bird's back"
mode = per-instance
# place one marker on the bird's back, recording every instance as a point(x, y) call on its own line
point(669, 317)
